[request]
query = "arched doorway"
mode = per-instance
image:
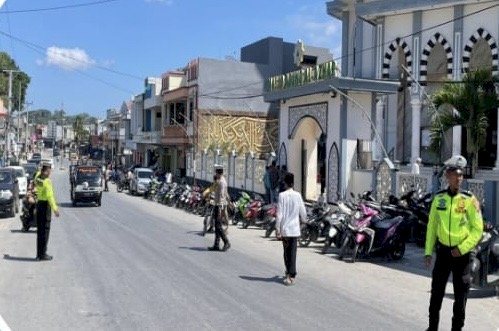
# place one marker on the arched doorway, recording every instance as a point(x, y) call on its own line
point(305, 151)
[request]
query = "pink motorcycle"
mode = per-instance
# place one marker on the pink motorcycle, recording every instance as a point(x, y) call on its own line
point(358, 232)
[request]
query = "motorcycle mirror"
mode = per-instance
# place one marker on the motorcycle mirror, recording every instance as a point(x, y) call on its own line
point(352, 195)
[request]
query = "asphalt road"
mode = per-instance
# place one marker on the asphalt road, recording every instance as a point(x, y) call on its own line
point(136, 265)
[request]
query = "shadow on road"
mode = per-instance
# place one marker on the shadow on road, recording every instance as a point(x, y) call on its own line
point(19, 258)
point(22, 231)
point(476, 293)
point(66, 205)
point(274, 279)
point(199, 249)
point(412, 261)
point(199, 233)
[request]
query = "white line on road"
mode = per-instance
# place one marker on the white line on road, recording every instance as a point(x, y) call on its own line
point(3, 325)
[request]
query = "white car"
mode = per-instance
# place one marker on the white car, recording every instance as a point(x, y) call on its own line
point(22, 180)
point(140, 180)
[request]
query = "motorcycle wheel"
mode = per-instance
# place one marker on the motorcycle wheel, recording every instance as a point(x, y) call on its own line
point(398, 250)
point(119, 188)
point(235, 219)
point(344, 246)
point(355, 252)
point(327, 244)
point(305, 239)
point(245, 224)
point(269, 231)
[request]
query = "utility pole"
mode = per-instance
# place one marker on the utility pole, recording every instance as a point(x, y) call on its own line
point(9, 111)
point(19, 115)
point(27, 135)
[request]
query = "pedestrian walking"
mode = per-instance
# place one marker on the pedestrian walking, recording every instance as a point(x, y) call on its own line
point(220, 210)
point(455, 227)
point(107, 177)
point(290, 210)
point(274, 181)
point(267, 184)
point(45, 205)
point(282, 174)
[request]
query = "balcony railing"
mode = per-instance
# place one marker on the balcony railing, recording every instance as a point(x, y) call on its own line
point(301, 77)
point(175, 134)
point(148, 137)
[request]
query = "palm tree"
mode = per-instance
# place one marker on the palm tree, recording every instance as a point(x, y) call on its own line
point(469, 104)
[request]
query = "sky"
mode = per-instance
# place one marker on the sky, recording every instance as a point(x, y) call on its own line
point(92, 58)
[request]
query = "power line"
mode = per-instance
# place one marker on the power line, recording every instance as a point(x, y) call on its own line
point(10, 31)
point(78, 5)
point(36, 49)
point(44, 49)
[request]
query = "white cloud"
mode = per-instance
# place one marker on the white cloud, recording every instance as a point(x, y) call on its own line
point(67, 58)
point(323, 32)
point(166, 2)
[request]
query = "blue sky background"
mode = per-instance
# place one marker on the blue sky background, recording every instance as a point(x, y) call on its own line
point(142, 38)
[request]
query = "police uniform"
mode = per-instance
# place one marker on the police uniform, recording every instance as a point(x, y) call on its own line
point(45, 205)
point(221, 201)
point(455, 222)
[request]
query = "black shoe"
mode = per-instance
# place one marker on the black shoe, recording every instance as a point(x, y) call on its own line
point(214, 248)
point(226, 247)
point(45, 257)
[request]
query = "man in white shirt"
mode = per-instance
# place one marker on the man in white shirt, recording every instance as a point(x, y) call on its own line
point(415, 166)
point(290, 210)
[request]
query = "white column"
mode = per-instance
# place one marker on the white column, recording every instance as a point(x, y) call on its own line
point(378, 139)
point(497, 142)
point(457, 131)
point(416, 128)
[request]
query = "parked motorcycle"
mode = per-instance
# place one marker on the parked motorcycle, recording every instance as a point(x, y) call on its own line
point(316, 226)
point(28, 214)
point(152, 188)
point(255, 213)
point(122, 184)
point(374, 233)
point(338, 224)
point(240, 207)
point(484, 264)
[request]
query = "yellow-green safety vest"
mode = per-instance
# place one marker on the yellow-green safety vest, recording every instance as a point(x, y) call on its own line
point(45, 192)
point(455, 221)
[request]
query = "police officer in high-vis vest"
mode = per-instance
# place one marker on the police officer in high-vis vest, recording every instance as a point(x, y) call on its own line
point(45, 205)
point(454, 228)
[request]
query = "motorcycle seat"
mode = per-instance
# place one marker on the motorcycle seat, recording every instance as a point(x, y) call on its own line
point(386, 223)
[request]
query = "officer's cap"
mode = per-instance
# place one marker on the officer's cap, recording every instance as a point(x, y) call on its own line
point(218, 168)
point(45, 164)
point(456, 163)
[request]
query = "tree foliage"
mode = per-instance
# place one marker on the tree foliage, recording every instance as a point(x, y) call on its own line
point(469, 104)
point(20, 83)
point(81, 135)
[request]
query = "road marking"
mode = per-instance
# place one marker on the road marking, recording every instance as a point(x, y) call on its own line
point(3, 325)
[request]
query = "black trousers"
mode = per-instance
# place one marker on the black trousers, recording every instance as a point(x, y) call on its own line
point(43, 217)
point(290, 246)
point(461, 279)
point(219, 231)
point(106, 188)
